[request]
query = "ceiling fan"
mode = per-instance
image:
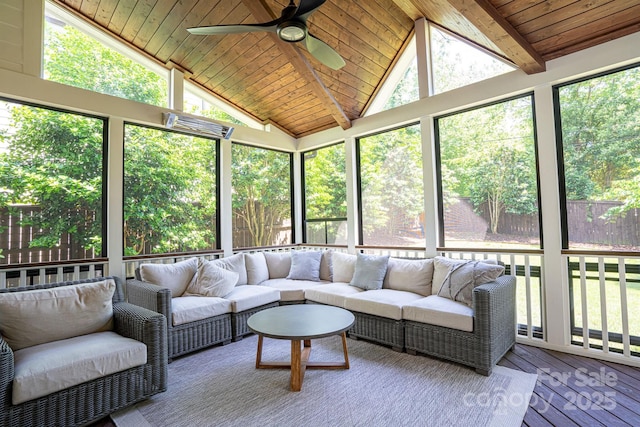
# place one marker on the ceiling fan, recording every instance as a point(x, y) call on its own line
point(290, 27)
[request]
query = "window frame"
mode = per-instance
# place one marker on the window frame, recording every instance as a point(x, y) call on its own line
point(557, 116)
point(438, 161)
point(105, 164)
point(291, 186)
point(303, 184)
point(358, 159)
point(218, 163)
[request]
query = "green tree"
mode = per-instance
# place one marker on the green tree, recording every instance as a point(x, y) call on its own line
point(601, 139)
point(391, 184)
point(75, 59)
point(169, 192)
point(325, 183)
point(261, 184)
point(490, 154)
point(54, 161)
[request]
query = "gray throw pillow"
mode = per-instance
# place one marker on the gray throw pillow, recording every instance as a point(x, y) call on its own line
point(462, 276)
point(305, 265)
point(370, 271)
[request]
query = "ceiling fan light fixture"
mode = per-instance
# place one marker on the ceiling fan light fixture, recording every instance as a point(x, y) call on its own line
point(292, 31)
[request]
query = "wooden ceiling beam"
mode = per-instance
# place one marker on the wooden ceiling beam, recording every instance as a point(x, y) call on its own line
point(483, 15)
point(261, 11)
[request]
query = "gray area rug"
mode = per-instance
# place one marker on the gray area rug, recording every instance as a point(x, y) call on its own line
point(220, 386)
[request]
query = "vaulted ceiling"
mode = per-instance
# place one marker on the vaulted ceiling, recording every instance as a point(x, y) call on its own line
point(281, 84)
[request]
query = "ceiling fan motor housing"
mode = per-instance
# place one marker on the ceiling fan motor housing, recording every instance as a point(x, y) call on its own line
point(292, 31)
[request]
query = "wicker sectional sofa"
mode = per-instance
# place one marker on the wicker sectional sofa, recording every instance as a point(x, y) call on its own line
point(416, 306)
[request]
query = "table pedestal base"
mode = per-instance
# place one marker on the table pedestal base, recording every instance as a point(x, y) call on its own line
point(300, 360)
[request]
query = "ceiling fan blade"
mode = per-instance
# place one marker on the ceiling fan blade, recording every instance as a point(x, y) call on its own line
point(324, 53)
point(234, 29)
point(307, 7)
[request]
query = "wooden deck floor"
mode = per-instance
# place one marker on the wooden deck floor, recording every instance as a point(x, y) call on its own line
point(571, 390)
point(577, 391)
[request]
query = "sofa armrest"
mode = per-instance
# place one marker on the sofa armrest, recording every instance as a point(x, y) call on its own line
point(7, 373)
point(150, 296)
point(150, 328)
point(494, 308)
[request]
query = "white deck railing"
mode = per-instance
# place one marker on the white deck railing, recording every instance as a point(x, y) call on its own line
point(605, 292)
point(41, 274)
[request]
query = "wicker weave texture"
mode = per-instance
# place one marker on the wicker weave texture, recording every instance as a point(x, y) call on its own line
point(185, 338)
point(239, 326)
point(379, 329)
point(90, 401)
point(494, 329)
point(199, 334)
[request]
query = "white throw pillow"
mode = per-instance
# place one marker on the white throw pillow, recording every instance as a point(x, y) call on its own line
point(278, 264)
point(257, 270)
point(409, 275)
point(369, 271)
point(305, 265)
point(39, 316)
point(176, 277)
point(212, 281)
point(343, 266)
point(234, 263)
point(457, 278)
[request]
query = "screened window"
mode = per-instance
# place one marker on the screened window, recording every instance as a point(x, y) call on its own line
point(261, 197)
point(195, 104)
point(170, 192)
point(391, 188)
point(456, 63)
point(600, 151)
point(325, 195)
point(487, 179)
point(600, 140)
point(406, 91)
point(51, 185)
point(75, 58)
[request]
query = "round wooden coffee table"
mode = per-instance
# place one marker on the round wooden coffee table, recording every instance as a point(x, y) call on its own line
point(301, 323)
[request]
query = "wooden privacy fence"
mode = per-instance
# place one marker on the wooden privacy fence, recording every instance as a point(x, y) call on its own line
point(584, 220)
point(15, 238)
point(585, 223)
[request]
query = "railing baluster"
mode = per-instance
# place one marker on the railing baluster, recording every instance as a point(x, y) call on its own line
point(583, 300)
point(527, 279)
point(626, 339)
point(603, 305)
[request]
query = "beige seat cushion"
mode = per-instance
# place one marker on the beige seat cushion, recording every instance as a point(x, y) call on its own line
point(332, 293)
point(38, 316)
point(250, 296)
point(292, 290)
point(381, 302)
point(189, 308)
point(46, 368)
point(440, 311)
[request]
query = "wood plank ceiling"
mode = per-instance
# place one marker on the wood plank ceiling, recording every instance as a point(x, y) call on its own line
point(281, 84)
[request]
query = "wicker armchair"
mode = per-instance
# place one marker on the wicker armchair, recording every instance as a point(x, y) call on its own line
point(184, 338)
point(494, 330)
point(95, 399)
